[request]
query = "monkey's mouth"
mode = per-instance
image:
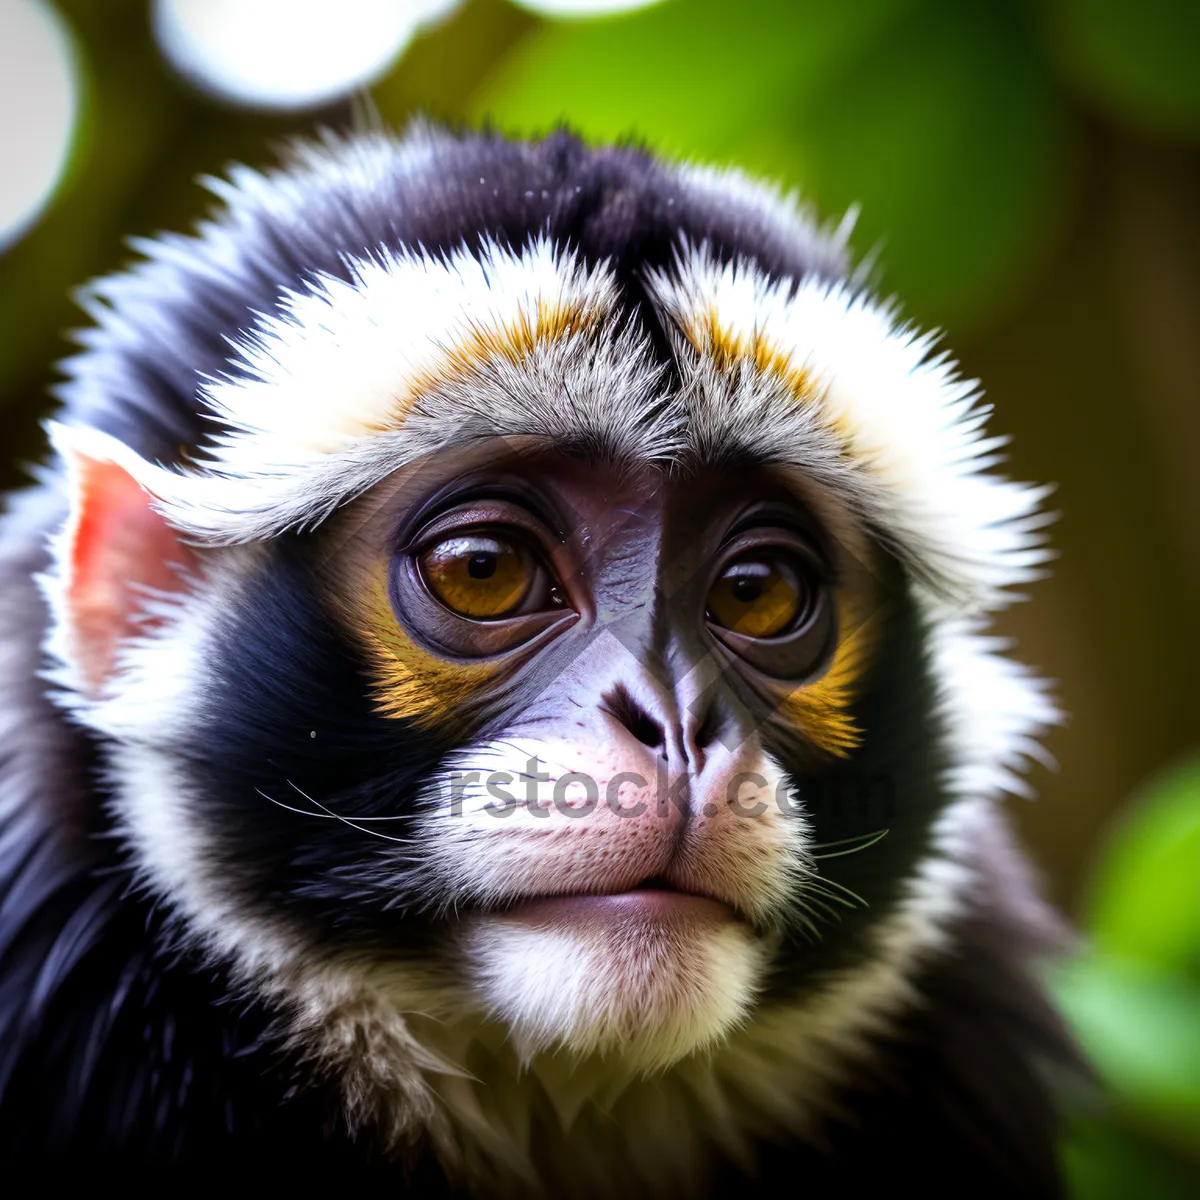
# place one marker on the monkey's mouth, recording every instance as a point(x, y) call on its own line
point(654, 901)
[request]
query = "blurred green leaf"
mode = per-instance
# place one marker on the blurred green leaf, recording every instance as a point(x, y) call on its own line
point(950, 134)
point(1141, 1029)
point(1134, 1001)
point(118, 136)
point(1138, 59)
point(1145, 895)
point(694, 77)
point(1107, 1162)
point(936, 117)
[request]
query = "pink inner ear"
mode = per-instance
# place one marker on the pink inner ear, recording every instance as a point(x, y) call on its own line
point(117, 543)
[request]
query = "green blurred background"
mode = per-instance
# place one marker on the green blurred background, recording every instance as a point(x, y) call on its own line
point(1029, 177)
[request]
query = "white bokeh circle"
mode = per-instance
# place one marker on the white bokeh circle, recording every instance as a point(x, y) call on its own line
point(39, 104)
point(287, 54)
point(582, 8)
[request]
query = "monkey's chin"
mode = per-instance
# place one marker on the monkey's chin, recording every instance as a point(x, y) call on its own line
point(643, 978)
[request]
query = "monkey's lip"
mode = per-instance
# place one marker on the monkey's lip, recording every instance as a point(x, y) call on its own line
point(645, 905)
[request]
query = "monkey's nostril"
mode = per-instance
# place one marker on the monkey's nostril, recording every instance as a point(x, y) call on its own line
point(635, 718)
point(708, 729)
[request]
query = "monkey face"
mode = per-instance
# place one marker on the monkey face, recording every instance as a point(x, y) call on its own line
point(612, 843)
point(525, 730)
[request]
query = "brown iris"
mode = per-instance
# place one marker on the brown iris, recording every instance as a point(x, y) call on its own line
point(478, 575)
point(758, 597)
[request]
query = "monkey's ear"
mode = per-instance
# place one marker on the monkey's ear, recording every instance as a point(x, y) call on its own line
point(115, 551)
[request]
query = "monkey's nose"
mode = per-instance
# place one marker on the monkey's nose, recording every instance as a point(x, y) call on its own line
point(679, 734)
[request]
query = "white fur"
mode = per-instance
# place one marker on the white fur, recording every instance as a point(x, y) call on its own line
point(437, 1061)
point(321, 402)
point(994, 710)
point(908, 429)
point(415, 1053)
point(643, 996)
point(352, 380)
point(344, 360)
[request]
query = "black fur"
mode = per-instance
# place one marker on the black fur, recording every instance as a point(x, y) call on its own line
point(118, 1047)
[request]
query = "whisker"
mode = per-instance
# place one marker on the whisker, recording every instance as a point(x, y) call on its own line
point(808, 925)
point(867, 840)
point(329, 814)
point(852, 900)
point(812, 905)
point(302, 811)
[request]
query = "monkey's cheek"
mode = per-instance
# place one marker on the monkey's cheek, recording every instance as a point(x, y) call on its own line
point(622, 978)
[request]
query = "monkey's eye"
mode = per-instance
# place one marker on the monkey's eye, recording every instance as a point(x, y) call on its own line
point(771, 604)
point(480, 579)
point(482, 576)
point(760, 596)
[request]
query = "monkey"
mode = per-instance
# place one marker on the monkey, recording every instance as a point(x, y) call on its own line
point(498, 699)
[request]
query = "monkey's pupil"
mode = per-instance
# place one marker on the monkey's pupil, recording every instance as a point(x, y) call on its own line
point(746, 590)
point(481, 566)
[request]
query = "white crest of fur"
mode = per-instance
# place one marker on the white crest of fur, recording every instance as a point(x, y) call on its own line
point(343, 359)
point(907, 425)
point(352, 379)
point(331, 393)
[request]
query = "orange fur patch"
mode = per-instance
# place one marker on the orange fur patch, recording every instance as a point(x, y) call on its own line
point(822, 709)
point(410, 683)
point(513, 341)
point(709, 337)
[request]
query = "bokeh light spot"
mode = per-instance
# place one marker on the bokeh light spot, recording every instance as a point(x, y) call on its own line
point(582, 8)
point(287, 53)
point(38, 106)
